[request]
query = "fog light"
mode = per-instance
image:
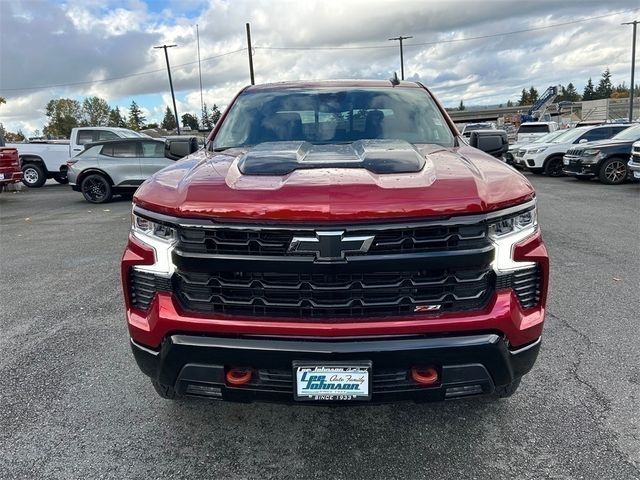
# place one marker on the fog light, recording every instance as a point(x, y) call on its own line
point(238, 376)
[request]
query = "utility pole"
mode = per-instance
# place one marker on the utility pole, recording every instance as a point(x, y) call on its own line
point(253, 80)
point(173, 97)
point(200, 74)
point(633, 67)
point(401, 38)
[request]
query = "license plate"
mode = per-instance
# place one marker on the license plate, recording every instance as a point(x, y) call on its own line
point(1, 176)
point(565, 162)
point(636, 174)
point(327, 382)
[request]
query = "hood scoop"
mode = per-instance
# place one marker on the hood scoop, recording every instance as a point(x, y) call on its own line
point(376, 156)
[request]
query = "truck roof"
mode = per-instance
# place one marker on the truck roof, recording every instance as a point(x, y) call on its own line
point(330, 84)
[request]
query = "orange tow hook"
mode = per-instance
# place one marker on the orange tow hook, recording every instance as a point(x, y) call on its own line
point(238, 376)
point(424, 376)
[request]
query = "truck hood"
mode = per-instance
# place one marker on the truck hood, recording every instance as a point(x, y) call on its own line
point(302, 182)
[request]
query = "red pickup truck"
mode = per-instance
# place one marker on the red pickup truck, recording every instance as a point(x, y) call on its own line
point(10, 171)
point(336, 242)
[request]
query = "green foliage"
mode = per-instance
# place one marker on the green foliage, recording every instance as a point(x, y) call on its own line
point(169, 120)
point(116, 119)
point(605, 87)
point(136, 118)
point(64, 114)
point(589, 92)
point(95, 112)
point(190, 121)
point(461, 106)
point(210, 117)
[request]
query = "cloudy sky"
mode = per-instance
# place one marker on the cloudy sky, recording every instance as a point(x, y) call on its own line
point(77, 48)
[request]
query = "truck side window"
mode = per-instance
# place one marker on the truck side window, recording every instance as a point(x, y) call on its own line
point(106, 135)
point(85, 136)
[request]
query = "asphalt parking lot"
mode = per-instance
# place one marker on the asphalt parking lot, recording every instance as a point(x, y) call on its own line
point(73, 404)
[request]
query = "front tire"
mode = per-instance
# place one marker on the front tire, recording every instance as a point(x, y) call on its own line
point(553, 167)
point(165, 391)
point(506, 391)
point(96, 188)
point(33, 175)
point(613, 171)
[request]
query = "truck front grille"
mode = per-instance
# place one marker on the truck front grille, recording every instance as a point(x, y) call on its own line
point(143, 287)
point(309, 295)
point(525, 283)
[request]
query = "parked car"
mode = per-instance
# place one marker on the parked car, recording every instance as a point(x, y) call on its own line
point(606, 159)
point(10, 172)
point(547, 157)
point(336, 242)
point(120, 166)
point(634, 161)
point(47, 159)
point(510, 156)
point(473, 127)
point(530, 131)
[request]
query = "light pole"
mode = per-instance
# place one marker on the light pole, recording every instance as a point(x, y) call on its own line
point(173, 97)
point(633, 67)
point(401, 38)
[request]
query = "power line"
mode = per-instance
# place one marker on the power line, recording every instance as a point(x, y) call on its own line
point(466, 39)
point(90, 82)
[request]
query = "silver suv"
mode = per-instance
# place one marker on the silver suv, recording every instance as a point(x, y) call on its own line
point(115, 167)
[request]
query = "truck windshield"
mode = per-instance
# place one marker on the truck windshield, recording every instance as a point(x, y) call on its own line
point(322, 116)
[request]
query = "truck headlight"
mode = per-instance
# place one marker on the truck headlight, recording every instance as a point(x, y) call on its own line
point(160, 237)
point(507, 231)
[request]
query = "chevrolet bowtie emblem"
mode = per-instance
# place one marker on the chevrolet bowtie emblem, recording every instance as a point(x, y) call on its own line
point(331, 246)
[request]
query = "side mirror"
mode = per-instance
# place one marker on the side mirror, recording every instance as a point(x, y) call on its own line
point(583, 140)
point(493, 142)
point(177, 147)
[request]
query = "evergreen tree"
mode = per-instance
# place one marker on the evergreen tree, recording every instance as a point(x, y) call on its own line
point(509, 103)
point(169, 120)
point(571, 94)
point(533, 95)
point(190, 121)
point(605, 87)
point(524, 98)
point(116, 119)
point(461, 106)
point(589, 92)
point(215, 114)
point(206, 118)
point(136, 118)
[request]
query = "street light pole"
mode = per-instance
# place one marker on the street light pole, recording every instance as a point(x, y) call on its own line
point(173, 96)
point(633, 67)
point(401, 38)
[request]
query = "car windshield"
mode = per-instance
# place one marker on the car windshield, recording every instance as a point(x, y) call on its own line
point(328, 115)
point(477, 126)
point(631, 133)
point(569, 136)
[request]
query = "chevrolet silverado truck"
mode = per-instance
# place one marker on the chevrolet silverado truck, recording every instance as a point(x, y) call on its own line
point(337, 242)
point(10, 171)
point(48, 159)
point(605, 159)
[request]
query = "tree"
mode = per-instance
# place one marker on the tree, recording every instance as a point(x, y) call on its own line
point(136, 118)
point(461, 106)
point(621, 91)
point(206, 118)
point(169, 120)
point(571, 94)
point(190, 121)
point(509, 103)
point(533, 95)
point(64, 114)
point(524, 98)
point(605, 87)
point(151, 125)
point(95, 112)
point(3, 100)
point(116, 119)
point(215, 114)
point(589, 92)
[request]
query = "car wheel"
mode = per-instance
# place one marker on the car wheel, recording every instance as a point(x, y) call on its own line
point(61, 179)
point(165, 391)
point(33, 175)
point(553, 167)
point(613, 171)
point(506, 391)
point(96, 188)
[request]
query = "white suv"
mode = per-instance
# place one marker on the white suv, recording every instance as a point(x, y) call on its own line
point(529, 131)
point(547, 157)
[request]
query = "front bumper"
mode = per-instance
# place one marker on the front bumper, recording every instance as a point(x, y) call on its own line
point(575, 167)
point(467, 364)
point(634, 166)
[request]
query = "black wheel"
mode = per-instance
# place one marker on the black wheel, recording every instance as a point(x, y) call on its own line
point(506, 391)
point(61, 179)
point(33, 175)
point(553, 167)
point(613, 171)
point(96, 188)
point(165, 391)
